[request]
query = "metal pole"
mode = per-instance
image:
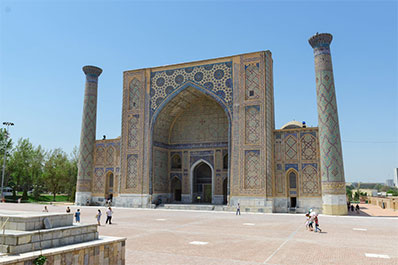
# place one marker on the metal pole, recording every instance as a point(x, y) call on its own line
point(8, 124)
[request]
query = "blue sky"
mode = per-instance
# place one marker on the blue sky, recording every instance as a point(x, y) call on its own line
point(44, 44)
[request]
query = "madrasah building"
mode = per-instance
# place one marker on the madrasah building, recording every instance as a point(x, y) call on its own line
point(204, 133)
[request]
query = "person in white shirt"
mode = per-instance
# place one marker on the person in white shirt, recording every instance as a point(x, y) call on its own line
point(109, 213)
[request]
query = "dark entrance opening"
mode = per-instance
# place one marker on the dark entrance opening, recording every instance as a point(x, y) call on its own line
point(293, 202)
point(224, 190)
point(176, 189)
point(202, 190)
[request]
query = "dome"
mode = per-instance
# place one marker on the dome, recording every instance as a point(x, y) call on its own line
point(293, 125)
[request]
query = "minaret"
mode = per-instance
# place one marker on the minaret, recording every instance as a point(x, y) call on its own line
point(87, 136)
point(331, 157)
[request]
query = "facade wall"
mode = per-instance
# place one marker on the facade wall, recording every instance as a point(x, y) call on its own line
point(218, 111)
point(106, 165)
point(297, 150)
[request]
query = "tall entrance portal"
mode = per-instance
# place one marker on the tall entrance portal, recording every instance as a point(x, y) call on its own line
point(202, 180)
point(189, 144)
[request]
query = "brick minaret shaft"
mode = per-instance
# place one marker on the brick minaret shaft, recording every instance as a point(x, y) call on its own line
point(87, 136)
point(331, 158)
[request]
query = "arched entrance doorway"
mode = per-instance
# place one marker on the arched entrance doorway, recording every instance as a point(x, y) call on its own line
point(202, 188)
point(190, 125)
point(292, 184)
point(109, 186)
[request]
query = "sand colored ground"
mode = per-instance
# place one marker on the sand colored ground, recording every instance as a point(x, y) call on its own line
point(194, 237)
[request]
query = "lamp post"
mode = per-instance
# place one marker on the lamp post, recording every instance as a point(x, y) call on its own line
point(8, 124)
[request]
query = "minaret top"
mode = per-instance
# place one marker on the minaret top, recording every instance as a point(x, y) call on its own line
point(92, 70)
point(320, 40)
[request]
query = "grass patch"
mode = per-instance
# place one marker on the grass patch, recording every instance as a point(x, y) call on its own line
point(44, 198)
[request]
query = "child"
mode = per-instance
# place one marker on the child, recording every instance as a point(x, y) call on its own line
point(307, 223)
point(317, 224)
point(98, 216)
point(77, 216)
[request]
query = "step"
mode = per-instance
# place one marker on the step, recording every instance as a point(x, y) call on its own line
point(16, 242)
point(29, 221)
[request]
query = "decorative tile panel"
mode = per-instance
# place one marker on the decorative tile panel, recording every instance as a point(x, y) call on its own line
point(310, 180)
point(132, 171)
point(252, 82)
point(215, 78)
point(134, 94)
point(133, 132)
point(253, 124)
point(110, 153)
point(308, 147)
point(252, 170)
point(100, 155)
point(291, 148)
point(99, 180)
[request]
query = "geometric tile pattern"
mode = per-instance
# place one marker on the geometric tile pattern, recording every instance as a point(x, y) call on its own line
point(134, 94)
point(110, 152)
point(99, 179)
point(133, 132)
point(308, 147)
point(252, 81)
point(310, 180)
point(215, 78)
point(100, 155)
point(203, 121)
point(132, 172)
point(87, 135)
point(253, 121)
point(252, 169)
point(160, 173)
point(291, 148)
point(329, 131)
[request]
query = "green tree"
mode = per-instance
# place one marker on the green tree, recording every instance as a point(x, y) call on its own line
point(348, 192)
point(23, 166)
point(70, 188)
point(57, 171)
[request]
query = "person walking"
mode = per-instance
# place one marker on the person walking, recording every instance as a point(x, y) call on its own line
point(67, 209)
point(352, 207)
point(45, 210)
point(98, 216)
point(238, 209)
point(317, 224)
point(77, 216)
point(109, 213)
point(357, 208)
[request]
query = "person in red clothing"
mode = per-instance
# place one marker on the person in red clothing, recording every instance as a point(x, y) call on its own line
point(317, 225)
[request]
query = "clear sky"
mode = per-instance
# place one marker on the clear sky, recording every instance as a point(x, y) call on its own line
point(44, 44)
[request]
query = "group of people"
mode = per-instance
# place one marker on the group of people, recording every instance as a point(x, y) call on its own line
point(108, 212)
point(350, 207)
point(312, 219)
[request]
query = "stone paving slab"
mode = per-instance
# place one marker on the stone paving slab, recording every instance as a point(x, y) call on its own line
point(164, 237)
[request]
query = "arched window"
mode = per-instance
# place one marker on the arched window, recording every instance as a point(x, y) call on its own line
point(176, 162)
point(225, 162)
point(292, 180)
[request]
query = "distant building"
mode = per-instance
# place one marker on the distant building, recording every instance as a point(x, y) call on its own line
point(389, 182)
point(396, 177)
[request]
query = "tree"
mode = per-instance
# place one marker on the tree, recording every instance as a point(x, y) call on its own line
point(5, 144)
point(57, 171)
point(349, 193)
point(24, 166)
point(70, 188)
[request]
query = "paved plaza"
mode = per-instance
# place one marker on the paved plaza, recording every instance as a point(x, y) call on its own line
point(199, 237)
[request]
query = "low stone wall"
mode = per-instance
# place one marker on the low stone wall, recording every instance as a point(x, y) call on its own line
point(104, 251)
point(385, 203)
